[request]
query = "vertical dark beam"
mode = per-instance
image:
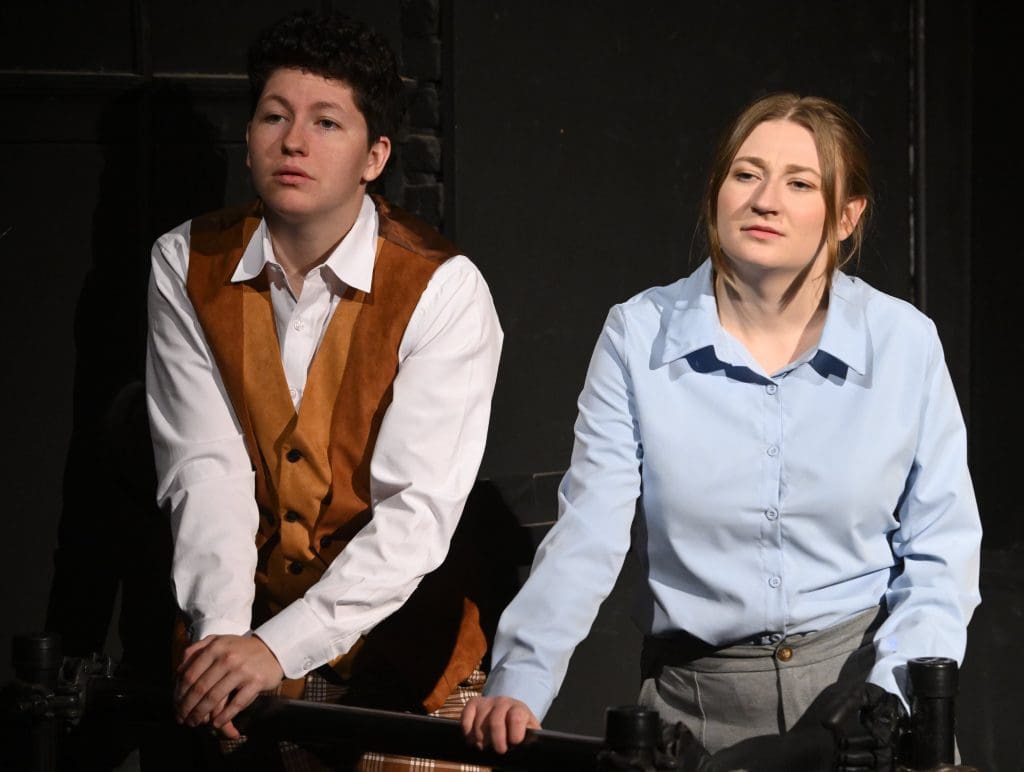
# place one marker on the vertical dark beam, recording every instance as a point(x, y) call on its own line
point(448, 145)
point(141, 43)
point(918, 152)
point(942, 209)
point(143, 149)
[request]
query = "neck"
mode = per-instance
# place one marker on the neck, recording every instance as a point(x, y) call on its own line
point(776, 318)
point(300, 245)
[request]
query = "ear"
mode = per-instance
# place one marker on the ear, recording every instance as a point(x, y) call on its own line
point(248, 156)
point(376, 159)
point(850, 216)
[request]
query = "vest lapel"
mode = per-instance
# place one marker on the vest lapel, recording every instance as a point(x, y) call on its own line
point(263, 381)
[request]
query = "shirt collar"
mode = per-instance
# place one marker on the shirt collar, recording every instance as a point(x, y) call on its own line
point(351, 261)
point(691, 320)
point(845, 336)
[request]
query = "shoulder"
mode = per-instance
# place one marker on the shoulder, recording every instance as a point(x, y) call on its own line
point(170, 250)
point(646, 310)
point(895, 331)
point(410, 234)
point(458, 283)
point(173, 248)
point(885, 314)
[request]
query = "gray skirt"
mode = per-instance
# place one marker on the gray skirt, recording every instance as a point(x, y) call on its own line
point(728, 695)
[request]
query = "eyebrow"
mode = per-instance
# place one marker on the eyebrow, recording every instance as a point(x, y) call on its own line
point(760, 163)
point(322, 105)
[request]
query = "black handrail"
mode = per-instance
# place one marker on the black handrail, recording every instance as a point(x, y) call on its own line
point(408, 734)
point(51, 693)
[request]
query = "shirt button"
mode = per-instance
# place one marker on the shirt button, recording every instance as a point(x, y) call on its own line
point(294, 455)
point(771, 514)
point(307, 664)
point(773, 450)
point(774, 582)
point(299, 325)
point(294, 393)
point(295, 567)
point(291, 516)
point(771, 388)
point(784, 654)
point(775, 637)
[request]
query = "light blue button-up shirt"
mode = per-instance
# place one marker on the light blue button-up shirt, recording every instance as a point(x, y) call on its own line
point(783, 502)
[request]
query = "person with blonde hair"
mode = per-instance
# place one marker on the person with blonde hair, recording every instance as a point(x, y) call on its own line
point(782, 446)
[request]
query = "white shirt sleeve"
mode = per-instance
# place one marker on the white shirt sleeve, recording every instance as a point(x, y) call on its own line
point(424, 464)
point(204, 475)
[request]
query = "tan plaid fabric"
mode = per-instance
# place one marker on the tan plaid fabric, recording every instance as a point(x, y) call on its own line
point(294, 758)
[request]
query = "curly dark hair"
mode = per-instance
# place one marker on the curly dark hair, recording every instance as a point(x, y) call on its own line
point(334, 46)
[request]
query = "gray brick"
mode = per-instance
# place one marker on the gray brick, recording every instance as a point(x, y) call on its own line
point(426, 202)
point(422, 58)
point(424, 107)
point(421, 153)
point(420, 18)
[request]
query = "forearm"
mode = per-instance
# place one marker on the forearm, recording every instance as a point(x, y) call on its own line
point(204, 475)
point(938, 544)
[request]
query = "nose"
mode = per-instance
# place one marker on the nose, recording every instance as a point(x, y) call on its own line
point(293, 141)
point(765, 199)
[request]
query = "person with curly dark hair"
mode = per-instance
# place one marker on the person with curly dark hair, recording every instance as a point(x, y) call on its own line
point(319, 380)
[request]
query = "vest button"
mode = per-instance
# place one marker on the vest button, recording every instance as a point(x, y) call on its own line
point(295, 567)
point(291, 515)
point(784, 654)
point(270, 518)
point(325, 541)
point(294, 455)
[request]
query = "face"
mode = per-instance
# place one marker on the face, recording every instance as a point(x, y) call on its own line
point(771, 212)
point(308, 150)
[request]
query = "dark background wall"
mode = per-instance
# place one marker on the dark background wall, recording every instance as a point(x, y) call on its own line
point(563, 146)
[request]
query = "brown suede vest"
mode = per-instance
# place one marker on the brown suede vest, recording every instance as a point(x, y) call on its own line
point(313, 467)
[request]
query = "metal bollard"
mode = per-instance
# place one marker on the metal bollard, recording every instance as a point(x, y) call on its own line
point(933, 689)
point(632, 735)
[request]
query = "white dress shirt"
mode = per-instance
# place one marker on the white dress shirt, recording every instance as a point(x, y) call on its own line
point(425, 461)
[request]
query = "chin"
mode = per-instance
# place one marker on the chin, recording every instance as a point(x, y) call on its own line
point(288, 206)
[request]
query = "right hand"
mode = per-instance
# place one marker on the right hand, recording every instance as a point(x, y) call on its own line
point(219, 676)
point(496, 722)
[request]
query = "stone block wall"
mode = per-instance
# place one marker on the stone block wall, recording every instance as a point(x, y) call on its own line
point(414, 179)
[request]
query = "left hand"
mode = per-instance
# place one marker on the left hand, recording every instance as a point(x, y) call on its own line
point(219, 676)
point(866, 723)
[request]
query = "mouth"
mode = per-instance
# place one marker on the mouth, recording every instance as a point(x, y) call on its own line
point(291, 174)
point(760, 231)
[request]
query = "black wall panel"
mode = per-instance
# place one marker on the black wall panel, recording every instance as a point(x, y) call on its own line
point(582, 132)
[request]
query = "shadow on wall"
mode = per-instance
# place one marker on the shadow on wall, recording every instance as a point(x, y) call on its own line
point(162, 165)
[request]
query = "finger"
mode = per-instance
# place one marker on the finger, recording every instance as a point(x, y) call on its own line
point(481, 735)
point(193, 650)
point(192, 690)
point(229, 731)
point(193, 670)
point(518, 721)
point(238, 701)
point(211, 701)
point(495, 730)
point(468, 717)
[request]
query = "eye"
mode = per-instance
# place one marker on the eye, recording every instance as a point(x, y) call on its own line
point(272, 118)
point(744, 176)
point(328, 124)
point(801, 185)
